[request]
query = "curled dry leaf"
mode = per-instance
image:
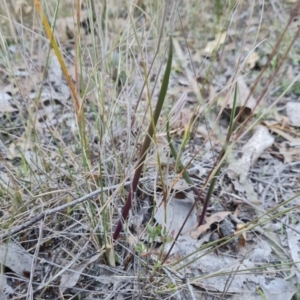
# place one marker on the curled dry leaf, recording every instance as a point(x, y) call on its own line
point(215, 218)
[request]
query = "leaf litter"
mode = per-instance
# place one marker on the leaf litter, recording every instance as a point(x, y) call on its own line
point(254, 180)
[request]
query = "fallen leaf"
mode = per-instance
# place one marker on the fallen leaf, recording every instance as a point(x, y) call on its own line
point(252, 59)
point(242, 238)
point(260, 140)
point(70, 277)
point(276, 288)
point(238, 170)
point(5, 289)
point(289, 152)
point(214, 45)
point(283, 131)
point(293, 113)
point(294, 245)
point(17, 148)
point(200, 263)
point(242, 96)
point(182, 119)
point(180, 185)
point(5, 104)
point(16, 258)
point(215, 218)
point(176, 213)
point(261, 252)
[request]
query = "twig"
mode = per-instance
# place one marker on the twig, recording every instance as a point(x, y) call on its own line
point(60, 208)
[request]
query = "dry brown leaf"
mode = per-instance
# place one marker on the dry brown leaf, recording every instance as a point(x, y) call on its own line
point(242, 238)
point(215, 218)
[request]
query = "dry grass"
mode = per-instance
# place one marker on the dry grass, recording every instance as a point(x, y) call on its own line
point(54, 151)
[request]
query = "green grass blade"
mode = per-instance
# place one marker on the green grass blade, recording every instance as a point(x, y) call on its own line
point(147, 141)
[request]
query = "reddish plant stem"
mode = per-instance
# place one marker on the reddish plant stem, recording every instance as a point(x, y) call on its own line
point(132, 190)
point(146, 143)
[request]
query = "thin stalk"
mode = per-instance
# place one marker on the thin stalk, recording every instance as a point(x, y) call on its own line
point(78, 106)
point(147, 142)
